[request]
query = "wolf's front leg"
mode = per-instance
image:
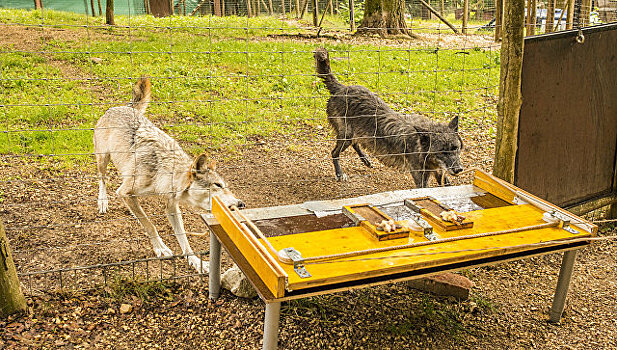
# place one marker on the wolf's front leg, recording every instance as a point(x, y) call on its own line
point(160, 249)
point(420, 177)
point(175, 219)
point(341, 145)
point(441, 177)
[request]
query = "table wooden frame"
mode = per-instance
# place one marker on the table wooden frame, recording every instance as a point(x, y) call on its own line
point(274, 296)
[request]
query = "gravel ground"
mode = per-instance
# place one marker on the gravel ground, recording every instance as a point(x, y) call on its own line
point(52, 222)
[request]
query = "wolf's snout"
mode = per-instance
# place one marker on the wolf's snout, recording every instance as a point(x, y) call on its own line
point(240, 204)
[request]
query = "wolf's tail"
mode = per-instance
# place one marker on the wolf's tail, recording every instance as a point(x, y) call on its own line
point(141, 95)
point(322, 64)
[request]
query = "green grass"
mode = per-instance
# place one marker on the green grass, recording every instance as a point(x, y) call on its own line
point(216, 81)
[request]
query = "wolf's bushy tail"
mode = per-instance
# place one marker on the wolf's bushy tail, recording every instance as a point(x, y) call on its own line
point(141, 94)
point(322, 64)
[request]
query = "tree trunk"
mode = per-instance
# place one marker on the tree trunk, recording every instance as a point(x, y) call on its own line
point(37, 4)
point(11, 298)
point(550, 16)
point(498, 19)
point(315, 12)
point(92, 8)
point(384, 17)
point(510, 99)
point(585, 11)
point(352, 16)
point(465, 16)
point(248, 8)
point(217, 8)
point(109, 13)
point(533, 15)
point(570, 19)
point(101, 10)
point(297, 8)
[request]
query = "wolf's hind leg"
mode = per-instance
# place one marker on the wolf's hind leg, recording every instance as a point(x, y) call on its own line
point(160, 249)
point(363, 156)
point(102, 160)
point(341, 145)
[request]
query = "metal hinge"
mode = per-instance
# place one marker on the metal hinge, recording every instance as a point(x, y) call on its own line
point(297, 259)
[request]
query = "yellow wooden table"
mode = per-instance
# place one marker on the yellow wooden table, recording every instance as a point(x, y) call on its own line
point(334, 252)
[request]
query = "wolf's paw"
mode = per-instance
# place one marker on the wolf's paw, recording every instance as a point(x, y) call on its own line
point(342, 177)
point(162, 250)
point(199, 265)
point(103, 204)
point(367, 162)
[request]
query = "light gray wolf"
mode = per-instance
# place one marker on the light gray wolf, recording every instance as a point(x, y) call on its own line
point(410, 142)
point(151, 163)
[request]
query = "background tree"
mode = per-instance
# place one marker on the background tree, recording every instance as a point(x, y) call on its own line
point(384, 17)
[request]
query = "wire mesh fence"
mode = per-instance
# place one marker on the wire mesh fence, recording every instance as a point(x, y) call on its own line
point(241, 89)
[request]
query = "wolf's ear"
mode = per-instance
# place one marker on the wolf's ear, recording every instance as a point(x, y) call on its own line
point(202, 165)
point(454, 124)
point(425, 137)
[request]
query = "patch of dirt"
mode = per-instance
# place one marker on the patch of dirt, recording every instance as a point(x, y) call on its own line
point(52, 222)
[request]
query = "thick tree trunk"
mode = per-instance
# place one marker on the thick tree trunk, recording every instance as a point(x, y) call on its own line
point(11, 298)
point(101, 10)
point(109, 13)
point(384, 17)
point(510, 99)
point(38, 4)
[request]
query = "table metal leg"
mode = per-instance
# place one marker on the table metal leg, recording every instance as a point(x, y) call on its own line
point(214, 277)
point(271, 326)
point(565, 274)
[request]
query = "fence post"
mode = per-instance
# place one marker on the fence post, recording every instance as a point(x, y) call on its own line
point(11, 298)
point(510, 99)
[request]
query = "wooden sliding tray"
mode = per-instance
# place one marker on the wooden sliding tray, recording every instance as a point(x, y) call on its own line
point(507, 214)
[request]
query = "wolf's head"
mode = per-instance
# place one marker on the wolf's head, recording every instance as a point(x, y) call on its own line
point(206, 183)
point(443, 145)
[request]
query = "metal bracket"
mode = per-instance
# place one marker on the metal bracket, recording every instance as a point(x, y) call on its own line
point(355, 217)
point(297, 259)
point(565, 221)
point(426, 227)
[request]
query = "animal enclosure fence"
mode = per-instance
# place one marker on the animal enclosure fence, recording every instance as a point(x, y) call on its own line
point(241, 89)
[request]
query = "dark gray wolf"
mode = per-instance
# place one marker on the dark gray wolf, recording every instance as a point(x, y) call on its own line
point(151, 163)
point(409, 142)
